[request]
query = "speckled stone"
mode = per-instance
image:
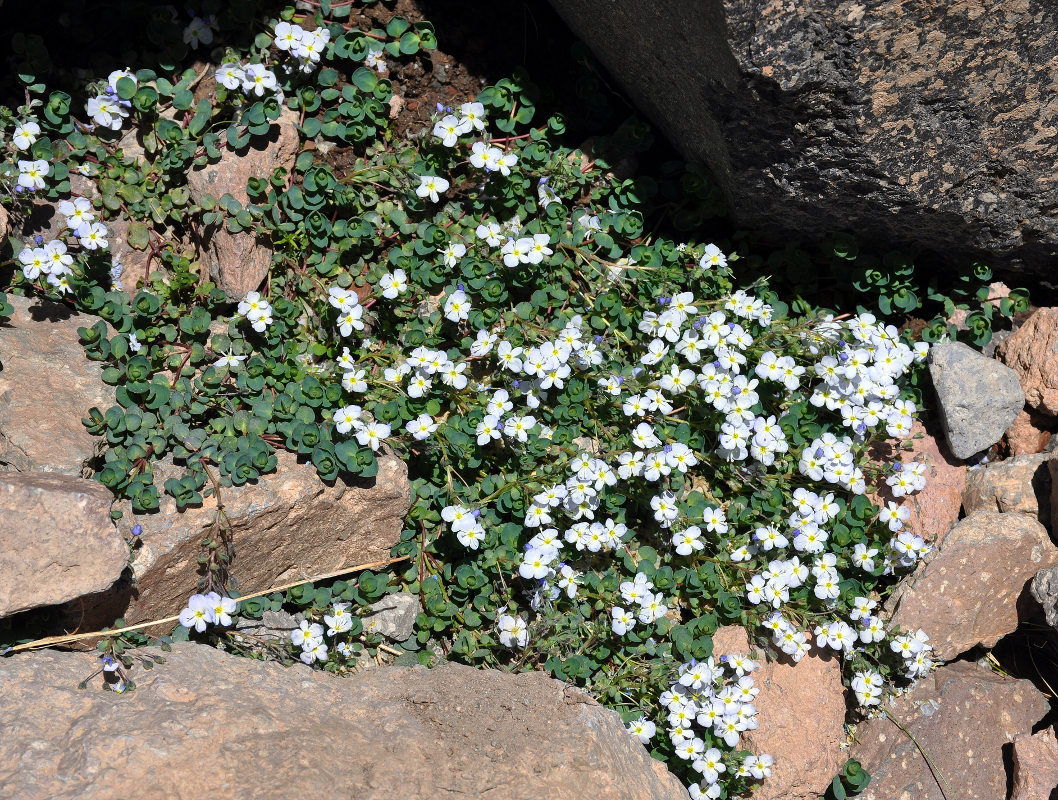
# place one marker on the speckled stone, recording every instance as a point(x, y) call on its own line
point(961, 715)
point(208, 724)
point(979, 397)
point(933, 124)
point(965, 592)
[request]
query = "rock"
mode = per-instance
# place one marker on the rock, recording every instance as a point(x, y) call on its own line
point(801, 711)
point(393, 616)
point(236, 727)
point(978, 396)
point(237, 261)
point(46, 387)
point(936, 508)
point(915, 123)
point(1013, 485)
point(1032, 352)
point(962, 715)
point(271, 625)
point(5, 225)
point(1044, 588)
point(1029, 433)
point(57, 541)
point(1035, 766)
point(285, 526)
point(965, 592)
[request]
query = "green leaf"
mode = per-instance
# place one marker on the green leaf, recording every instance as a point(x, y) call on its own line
point(139, 236)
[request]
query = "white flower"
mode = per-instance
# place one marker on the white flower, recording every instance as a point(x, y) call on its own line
point(713, 257)
point(198, 31)
point(31, 174)
point(431, 186)
point(287, 37)
point(345, 418)
point(199, 613)
point(453, 253)
point(307, 635)
point(447, 129)
point(457, 306)
point(230, 76)
point(25, 134)
point(421, 427)
point(643, 729)
point(472, 116)
point(223, 608)
point(229, 360)
point(257, 80)
point(372, 434)
point(374, 60)
point(512, 631)
point(93, 235)
point(106, 111)
point(394, 283)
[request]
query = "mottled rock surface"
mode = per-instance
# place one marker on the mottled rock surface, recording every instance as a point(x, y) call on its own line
point(931, 124)
point(936, 508)
point(965, 592)
point(46, 387)
point(1021, 484)
point(285, 526)
point(1035, 766)
point(961, 715)
point(393, 616)
point(1044, 588)
point(978, 397)
point(5, 223)
point(57, 541)
point(801, 714)
point(237, 261)
point(1029, 433)
point(1032, 352)
point(207, 724)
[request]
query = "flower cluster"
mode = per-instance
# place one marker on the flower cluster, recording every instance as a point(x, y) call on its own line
point(252, 79)
point(306, 46)
point(107, 109)
point(707, 707)
point(309, 636)
point(257, 311)
point(208, 609)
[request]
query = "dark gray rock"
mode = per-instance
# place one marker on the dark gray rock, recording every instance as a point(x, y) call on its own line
point(1044, 588)
point(978, 396)
point(923, 123)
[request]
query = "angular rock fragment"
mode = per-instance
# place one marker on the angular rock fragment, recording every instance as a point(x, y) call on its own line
point(1016, 484)
point(965, 592)
point(285, 525)
point(239, 262)
point(962, 715)
point(57, 541)
point(1032, 352)
point(978, 396)
point(46, 386)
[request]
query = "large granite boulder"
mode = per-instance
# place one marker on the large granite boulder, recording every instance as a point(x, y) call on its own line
point(57, 541)
point(962, 716)
point(46, 387)
point(208, 724)
point(922, 123)
point(966, 591)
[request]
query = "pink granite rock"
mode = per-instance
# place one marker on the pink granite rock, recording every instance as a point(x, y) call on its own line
point(965, 592)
